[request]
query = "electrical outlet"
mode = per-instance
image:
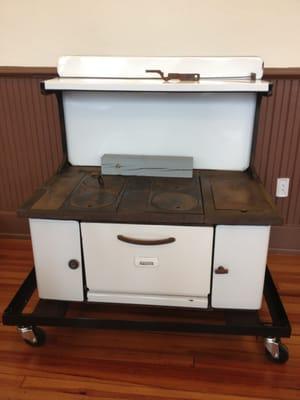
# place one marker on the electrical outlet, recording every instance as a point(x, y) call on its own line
point(282, 188)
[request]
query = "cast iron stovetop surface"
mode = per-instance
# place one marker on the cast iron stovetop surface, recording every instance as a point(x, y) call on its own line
point(162, 194)
point(210, 197)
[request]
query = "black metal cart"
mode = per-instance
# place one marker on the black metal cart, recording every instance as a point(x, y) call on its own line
point(235, 322)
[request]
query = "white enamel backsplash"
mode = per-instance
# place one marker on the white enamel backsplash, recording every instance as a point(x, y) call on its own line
point(214, 128)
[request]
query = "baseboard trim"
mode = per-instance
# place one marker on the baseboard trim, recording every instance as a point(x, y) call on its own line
point(285, 238)
point(292, 252)
point(12, 225)
point(18, 236)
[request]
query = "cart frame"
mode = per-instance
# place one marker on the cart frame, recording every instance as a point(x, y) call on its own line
point(236, 322)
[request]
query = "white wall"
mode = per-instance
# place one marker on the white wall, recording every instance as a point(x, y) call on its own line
point(37, 32)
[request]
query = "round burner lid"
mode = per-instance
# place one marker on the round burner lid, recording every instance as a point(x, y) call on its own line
point(174, 201)
point(99, 199)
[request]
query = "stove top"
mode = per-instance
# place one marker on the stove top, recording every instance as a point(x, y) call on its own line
point(174, 201)
point(208, 198)
point(171, 195)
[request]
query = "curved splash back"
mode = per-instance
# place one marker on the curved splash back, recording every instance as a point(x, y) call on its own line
point(135, 67)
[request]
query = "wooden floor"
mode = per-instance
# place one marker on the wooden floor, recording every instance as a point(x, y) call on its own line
point(90, 364)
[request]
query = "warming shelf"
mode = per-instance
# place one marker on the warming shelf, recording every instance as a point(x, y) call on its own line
point(157, 85)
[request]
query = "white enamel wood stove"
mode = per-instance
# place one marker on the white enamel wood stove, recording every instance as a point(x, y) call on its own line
point(197, 243)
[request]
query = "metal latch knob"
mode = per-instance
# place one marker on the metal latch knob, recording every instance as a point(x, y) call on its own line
point(73, 264)
point(221, 270)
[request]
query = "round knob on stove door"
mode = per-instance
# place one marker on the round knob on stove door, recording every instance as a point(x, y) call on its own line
point(221, 270)
point(73, 264)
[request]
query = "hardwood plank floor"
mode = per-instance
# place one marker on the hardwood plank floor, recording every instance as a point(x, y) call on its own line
point(90, 364)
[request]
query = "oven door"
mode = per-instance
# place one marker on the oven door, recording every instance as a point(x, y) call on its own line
point(147, 264)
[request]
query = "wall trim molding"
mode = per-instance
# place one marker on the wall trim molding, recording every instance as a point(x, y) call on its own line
point(32, 72)
point(282, 73)
point(269, 73)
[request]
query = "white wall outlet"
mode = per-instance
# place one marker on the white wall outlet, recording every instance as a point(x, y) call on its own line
point(282, 188)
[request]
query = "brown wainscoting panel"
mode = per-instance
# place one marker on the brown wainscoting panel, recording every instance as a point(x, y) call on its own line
point(278, 153)
point(31, 149)
point(30, 140)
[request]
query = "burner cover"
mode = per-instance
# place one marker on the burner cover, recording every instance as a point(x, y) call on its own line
point(91, 194)
point(93, 200)
point(174, 201)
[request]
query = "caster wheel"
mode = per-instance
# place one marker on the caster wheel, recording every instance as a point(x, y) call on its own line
point(276, 351)
point(33, 335)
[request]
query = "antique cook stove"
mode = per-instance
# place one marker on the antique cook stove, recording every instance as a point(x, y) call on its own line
point(182, 247)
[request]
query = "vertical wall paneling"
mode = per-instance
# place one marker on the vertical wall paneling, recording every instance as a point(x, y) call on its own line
point(278, 155)
point(30, 143)
point(31, 148)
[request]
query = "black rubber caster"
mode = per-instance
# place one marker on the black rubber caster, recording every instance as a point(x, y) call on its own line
point(33, 335)
point(276, 351)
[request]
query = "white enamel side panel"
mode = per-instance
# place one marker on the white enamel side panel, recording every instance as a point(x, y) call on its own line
point(214, 128)
point(181, 268)
point(243, 251)
point(54, 244)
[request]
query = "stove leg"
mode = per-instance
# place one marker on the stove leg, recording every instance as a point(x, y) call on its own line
point(32, 335)
point(275, 350)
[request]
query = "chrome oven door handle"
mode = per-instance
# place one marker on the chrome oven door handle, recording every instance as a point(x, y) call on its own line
point(145, 242)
